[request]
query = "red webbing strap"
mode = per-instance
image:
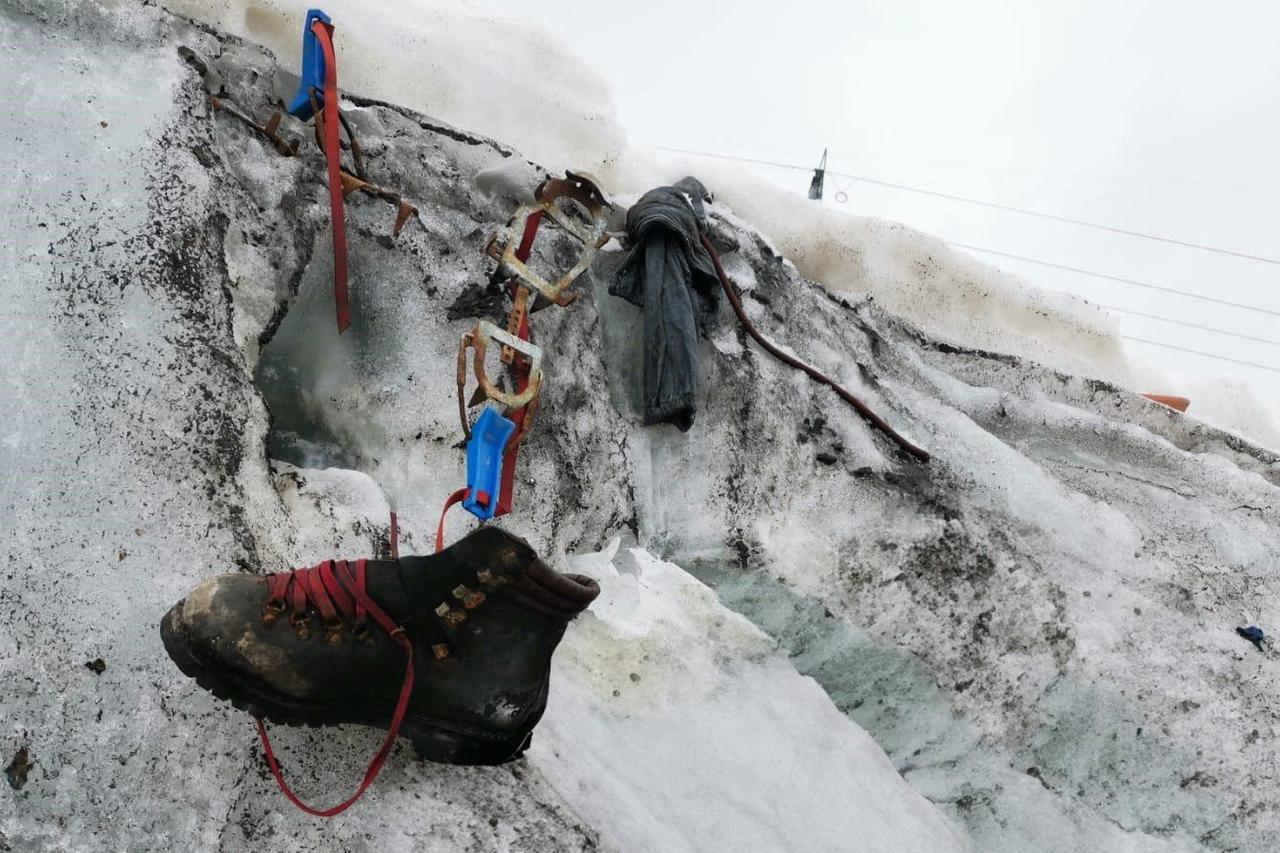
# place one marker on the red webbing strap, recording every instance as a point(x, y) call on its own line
point(526, 240)
point(813, 373)
point(455, 498)
point(522, 375)
point(395, 538)
point(356, 590)
point(333, 153)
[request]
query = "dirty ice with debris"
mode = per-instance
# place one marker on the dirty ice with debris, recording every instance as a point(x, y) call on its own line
point(804, 640)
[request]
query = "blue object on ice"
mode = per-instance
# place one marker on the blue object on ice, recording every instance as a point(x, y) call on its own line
point(1253, 634)
point(312, 68)
point(488, 443)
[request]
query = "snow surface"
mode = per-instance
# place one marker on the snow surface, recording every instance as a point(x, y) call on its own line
point(1225, 401)
point(455, 61)
point(1036, 628)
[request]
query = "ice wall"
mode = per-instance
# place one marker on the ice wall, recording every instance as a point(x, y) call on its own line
point(518, 83)
point(897, 699)
point(515, 81)
point(1064, 577)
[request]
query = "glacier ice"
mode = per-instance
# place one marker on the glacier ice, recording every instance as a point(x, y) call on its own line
point(1057, 591)
point(673, 725)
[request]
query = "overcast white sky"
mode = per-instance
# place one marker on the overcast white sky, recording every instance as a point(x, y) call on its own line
point(1158, 117)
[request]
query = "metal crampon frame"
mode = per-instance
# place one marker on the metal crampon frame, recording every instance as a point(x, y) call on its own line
point(511, 249)
point(478, 340)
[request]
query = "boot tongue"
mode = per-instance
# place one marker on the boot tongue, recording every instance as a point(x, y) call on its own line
point(386, 584)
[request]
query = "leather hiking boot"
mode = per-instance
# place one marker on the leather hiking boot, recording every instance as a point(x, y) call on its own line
point(457, 645)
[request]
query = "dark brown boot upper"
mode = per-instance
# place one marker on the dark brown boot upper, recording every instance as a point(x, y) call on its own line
point(483, 617)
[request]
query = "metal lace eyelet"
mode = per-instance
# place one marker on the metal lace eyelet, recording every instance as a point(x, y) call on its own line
point(333, 633)
point(271, 610)
point(301, 625)
point(470, 599)
point(451, 618)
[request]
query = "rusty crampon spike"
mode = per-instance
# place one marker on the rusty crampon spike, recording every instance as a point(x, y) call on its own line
point(404, 210)
point(467, 340)
point(270, 130)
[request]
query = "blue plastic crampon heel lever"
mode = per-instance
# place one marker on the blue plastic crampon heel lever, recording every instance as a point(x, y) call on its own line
point(488, 443)
point(312, 68)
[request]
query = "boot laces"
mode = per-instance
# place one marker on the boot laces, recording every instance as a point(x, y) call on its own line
point(334, 588)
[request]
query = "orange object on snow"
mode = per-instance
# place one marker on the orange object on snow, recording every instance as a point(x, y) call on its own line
point(1179, 403)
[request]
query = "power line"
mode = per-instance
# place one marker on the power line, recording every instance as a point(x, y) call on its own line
point(1110, 178)
point(989, 204)
point(1190, 325)
point(1155, 316)
point(1120, 279)
point(1201, 352)
point(739, 159)
point(1272, 211)
point(1025, 212)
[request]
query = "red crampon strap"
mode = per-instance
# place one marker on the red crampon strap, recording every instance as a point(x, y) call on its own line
point(812, 372)
point(331, 587)
point(455, 498)
point(522, 375)
point(333, 153)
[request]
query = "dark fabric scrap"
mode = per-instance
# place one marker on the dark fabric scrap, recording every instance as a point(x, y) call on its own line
point(1254, 635)
point(669, 273)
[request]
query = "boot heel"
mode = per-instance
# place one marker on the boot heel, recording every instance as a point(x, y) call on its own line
point(453, 748)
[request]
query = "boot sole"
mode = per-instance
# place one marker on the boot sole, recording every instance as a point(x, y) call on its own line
point(431, 740)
